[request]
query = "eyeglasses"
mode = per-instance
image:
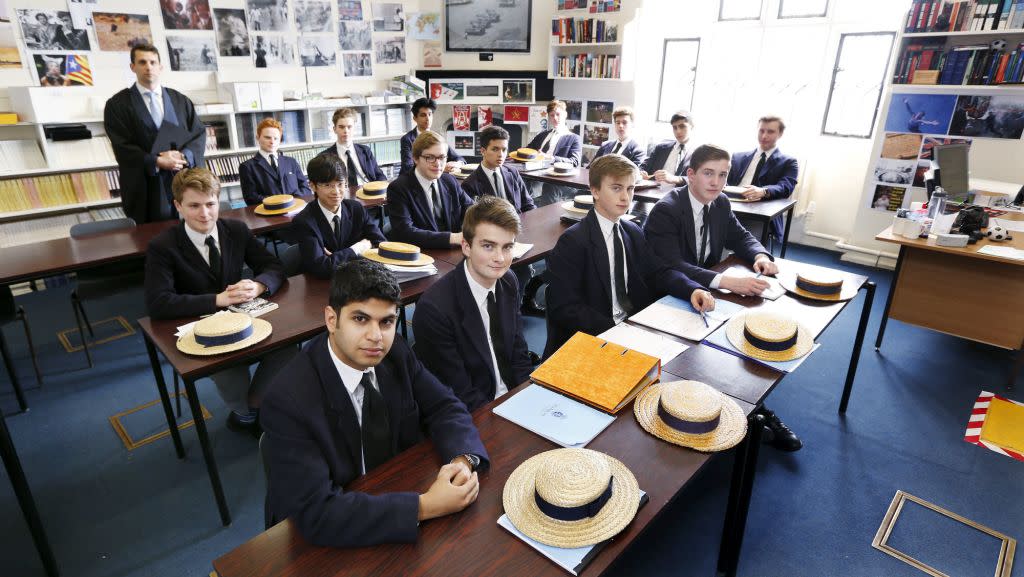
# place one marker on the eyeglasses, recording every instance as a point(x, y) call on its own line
point(338, 186)
point(432, 159)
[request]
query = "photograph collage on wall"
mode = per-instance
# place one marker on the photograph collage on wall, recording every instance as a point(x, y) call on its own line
point(312, 16)
point(388, 17)
point(63, 69)
point(389, 49)
point(272, 50)
point(117, 32)
point(186, 14)
point(51, 30)
point(191, 53)
point(232, 35)
point(425, 26)
point(317, 50)
point(591, 120)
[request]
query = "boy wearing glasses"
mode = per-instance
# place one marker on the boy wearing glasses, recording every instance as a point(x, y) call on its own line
point(333, 229)
point(426, 205)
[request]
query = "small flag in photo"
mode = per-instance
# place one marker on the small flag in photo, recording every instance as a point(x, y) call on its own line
point(79, 73)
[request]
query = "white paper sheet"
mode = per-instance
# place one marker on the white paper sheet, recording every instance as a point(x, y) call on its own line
point(644, 341)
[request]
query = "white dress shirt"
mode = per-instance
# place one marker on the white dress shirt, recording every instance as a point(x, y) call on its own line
point(352, 379)
point(266, 156)
point(343, 155)
point(501, 193)
point(158, 98)
point(621, 144)
point(360, 247)
point(555, 134)
point(425, 185)
point(697, 209)
point(748, 176)
point(672, 162)
point(199, 239)
point(618, 315)
point(480, 296)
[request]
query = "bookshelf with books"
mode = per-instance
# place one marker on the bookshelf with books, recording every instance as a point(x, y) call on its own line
point(592, 40)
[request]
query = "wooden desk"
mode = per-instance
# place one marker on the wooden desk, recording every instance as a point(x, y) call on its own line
point(959, 292)
point(470, 542)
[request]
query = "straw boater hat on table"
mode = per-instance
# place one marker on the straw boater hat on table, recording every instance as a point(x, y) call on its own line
point(398, 253)
point(562, 169)
point(769, 336)
point(818, 286)
point(465, 170)
point(525, 154)
point(691, 414)
point(279, 204)
point(735, 193)
point(581, 204)
point(372, 190)
point(571, 497)
point(223, 333)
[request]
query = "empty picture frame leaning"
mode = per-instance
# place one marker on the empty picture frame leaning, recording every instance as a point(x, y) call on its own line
point(487, 25)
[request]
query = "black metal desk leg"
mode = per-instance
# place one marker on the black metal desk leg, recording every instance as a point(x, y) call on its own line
point(851, 372)
point(402, 322)
point(204, 442)
point(765, 231)
point(25, 500)
point(785, 231)
point(15, 383)
point(888, 299)
point(161, 387)
point(1015, 368)
point(740, 488)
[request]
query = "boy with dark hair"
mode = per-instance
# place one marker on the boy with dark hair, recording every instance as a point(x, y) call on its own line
point(468, 328)
point(602, 270)
point(333, 229)
point(493, 177)
point(423, 110)
point(349, 401)
point(669, 160)
point(358, 158)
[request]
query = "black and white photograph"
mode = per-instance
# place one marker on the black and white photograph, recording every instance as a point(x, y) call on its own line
point(317, 50)
point(271, 50)
point(517, 91)
point(487, 26)
point(388, 17)
point(232, 35)
point(355, 35)
point(390, 50)
point(313, 16)
point(891, 171)
point(51, 30)
point(191, 53)
point(81, 12)
point(186, 14)
point(357, 64)
point(267, 15)
point(350, 9)
point(118, 32)
point(600, 111)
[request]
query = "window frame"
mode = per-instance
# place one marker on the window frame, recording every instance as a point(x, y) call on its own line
point(881, 87)
point(661, 83)
point(721, 6)
point(822, 15)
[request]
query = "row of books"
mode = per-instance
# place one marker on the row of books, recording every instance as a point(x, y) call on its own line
point(583, 30)
point(217, 135)
point(45, 191)
point(50, 228)
point(292, 121)
point(17, 155)
point(595, 6)
point(965, 15)
point(960, 65)
point(587, 66)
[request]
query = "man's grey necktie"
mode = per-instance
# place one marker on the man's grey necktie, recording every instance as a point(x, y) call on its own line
point(154, 109)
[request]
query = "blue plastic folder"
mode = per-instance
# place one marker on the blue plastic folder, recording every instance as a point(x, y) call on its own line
point(555, 417)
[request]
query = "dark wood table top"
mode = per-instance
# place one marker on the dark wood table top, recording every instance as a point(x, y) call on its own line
point(471, 542)
point(541, 228)
point(299, 316)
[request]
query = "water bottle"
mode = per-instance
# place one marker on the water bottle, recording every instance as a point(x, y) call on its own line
point(937, 203)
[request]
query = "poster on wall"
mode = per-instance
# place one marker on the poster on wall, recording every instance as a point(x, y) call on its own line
point(484, 116)
point(272, 50)
point(999, 116)
point(81, 12)
point(267, 15)
point(488, 26)
point(313, 16)
point(350, 10)
point(431, 54)
point(357, 64)
point(573, 110)
point(118, 32)
point(232, 35)
point(888, 198)
point(901, 146)
point(538, 118)
point(317, 50)
point(892, 171)
point(51, 30)
point(447, 91)
point(514, 114)
point(600, 111)
point(920, 113)
point(466, 90)
point(425, 26)
point(517, 91)
point(191, 53)
point(594, 135)
point(463, 141)
point(63, 69)
point(186, 14)
point(388, 17)
point(460, 116)
point(390, 49)
point(10, 56)
point(355, 35)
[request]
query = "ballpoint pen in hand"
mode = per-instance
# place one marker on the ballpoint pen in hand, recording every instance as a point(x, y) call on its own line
point(704, 317)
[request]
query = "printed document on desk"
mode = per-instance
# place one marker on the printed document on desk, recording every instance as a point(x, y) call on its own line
point(644, 341)
point(555, 417)
point(1003, 251)
point(678, 317)
point(774, 291)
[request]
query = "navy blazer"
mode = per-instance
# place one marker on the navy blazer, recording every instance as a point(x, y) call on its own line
point(579, 296)
point(178, 281)
point(312, 232)
point(632, 151)
point(569, 148)
point(656, 161)
point(258, 179)
point(366, 160)
point(452, 342)
point(411, 218)
point(778, 177)
point(406, 152)
point(477, 184)
point(313, 448)
point(669, 230)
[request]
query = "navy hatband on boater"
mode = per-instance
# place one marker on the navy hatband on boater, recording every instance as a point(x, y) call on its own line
point(684, 426)
point(774, 346)
point(279, 205)
point(582, 205)
point(215, 341)
point(818, 289)
point(397, 255)
point(574, 513)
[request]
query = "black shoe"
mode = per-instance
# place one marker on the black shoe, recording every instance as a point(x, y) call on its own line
point(244, 423)
point(778, 434)
point(530, 306)
point(534, 358)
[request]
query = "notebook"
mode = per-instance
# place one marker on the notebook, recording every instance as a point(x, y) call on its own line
point(555, 417)
point(678, 317)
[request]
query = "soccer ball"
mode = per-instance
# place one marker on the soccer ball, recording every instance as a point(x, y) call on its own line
point(998, 44)
point(998, 233)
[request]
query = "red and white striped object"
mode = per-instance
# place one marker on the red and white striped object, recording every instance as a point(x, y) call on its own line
point(978, 415)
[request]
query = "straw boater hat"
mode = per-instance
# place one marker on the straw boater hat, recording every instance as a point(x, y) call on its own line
point(465, 170)
point(769, 336)
point(279, 204)
point(735, 193)
point(398, 253)
point(571, 497)
point(525, 154)
point(691, 414)
point(223, 333)
point(818, 286)
point(581, 203)
point(372, 190)
point(563, 169)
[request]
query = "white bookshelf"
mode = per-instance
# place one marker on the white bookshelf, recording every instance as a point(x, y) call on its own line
point(624, 45)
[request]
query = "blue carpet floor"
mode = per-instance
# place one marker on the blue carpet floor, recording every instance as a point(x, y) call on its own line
point(110, 511)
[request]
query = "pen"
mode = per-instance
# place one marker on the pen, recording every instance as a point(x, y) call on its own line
point(704, 318)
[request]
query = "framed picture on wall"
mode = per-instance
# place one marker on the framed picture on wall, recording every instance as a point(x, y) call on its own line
point(487, 25)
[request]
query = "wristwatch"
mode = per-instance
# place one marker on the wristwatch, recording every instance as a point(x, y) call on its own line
point(474, 461)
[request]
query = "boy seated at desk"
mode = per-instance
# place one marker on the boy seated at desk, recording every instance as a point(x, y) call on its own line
point(426, 204)
point(493, 177)
point(269, 171)
point(602, 269)
point(468, 326)
point(623, 142)
point(195, 268)
point(423, 115)
point(359, 160)
point(333, 229)
point(352, 399)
